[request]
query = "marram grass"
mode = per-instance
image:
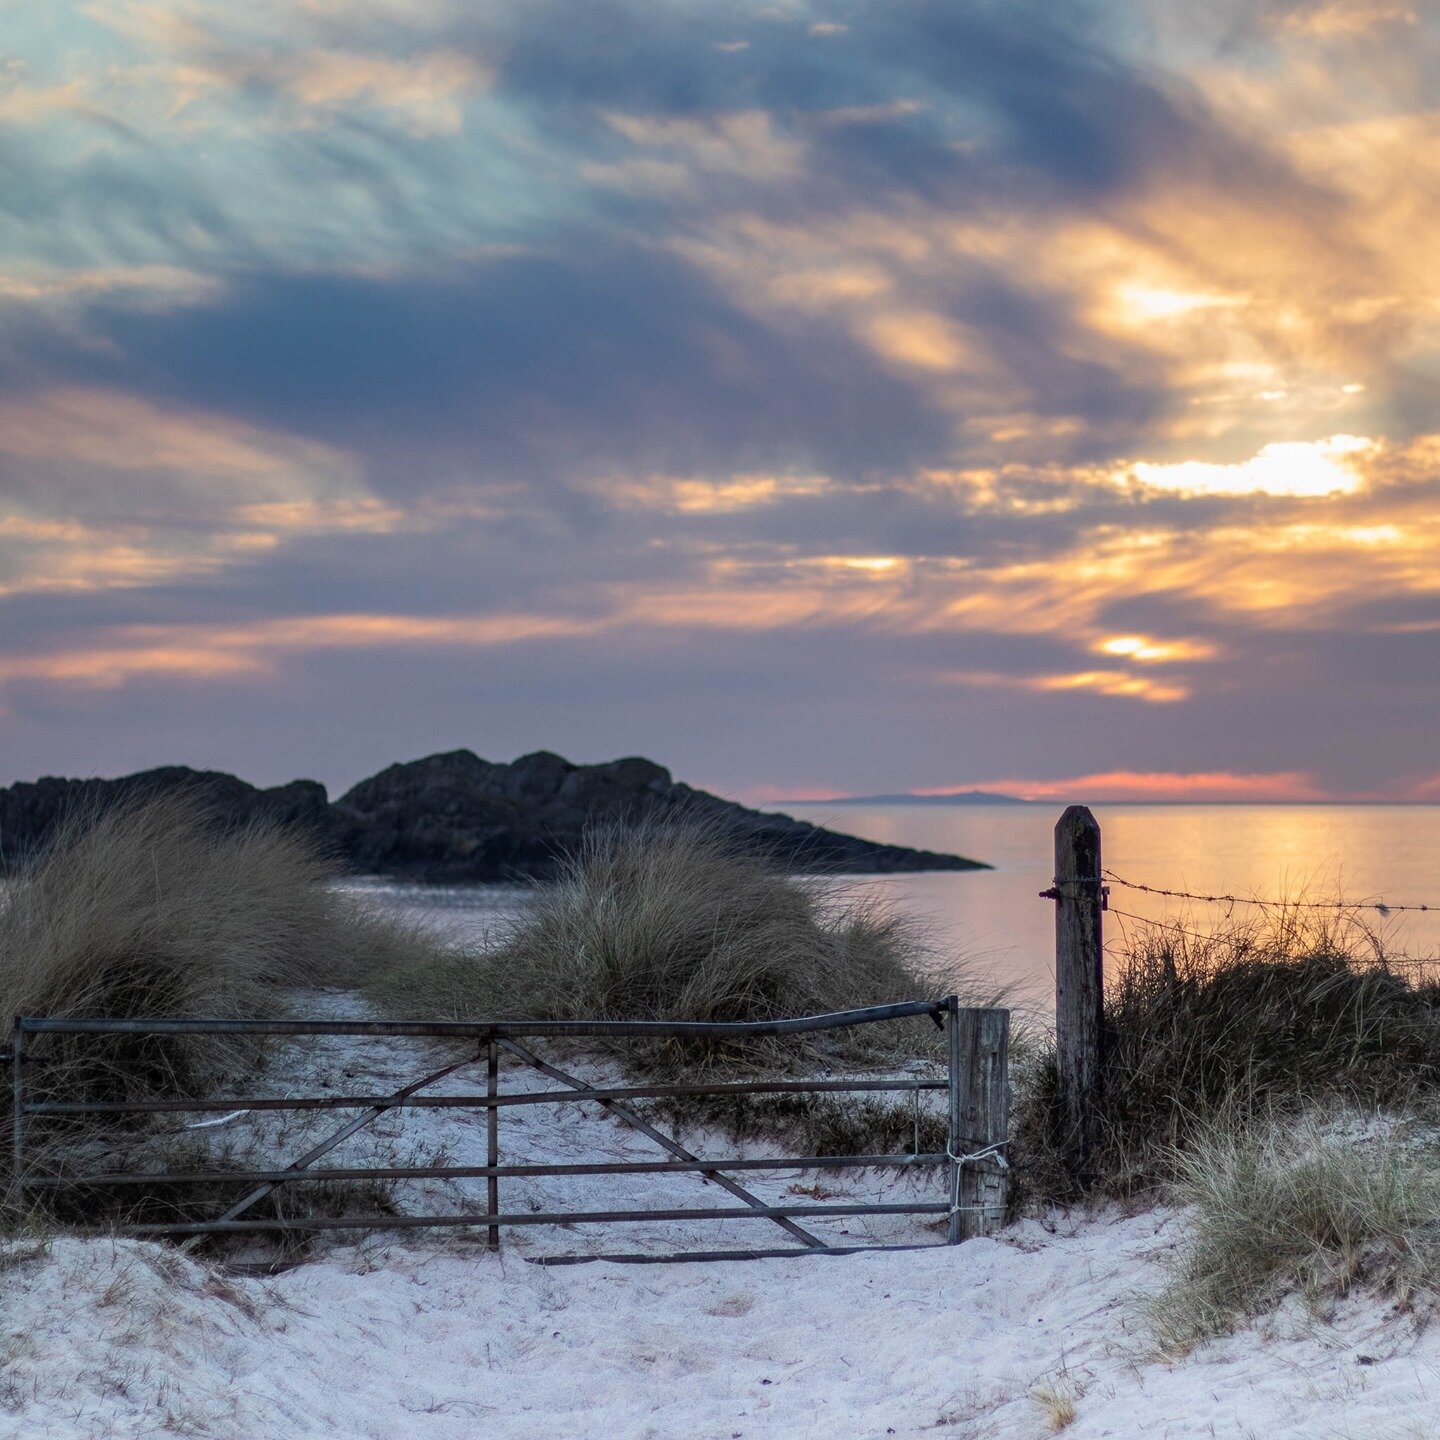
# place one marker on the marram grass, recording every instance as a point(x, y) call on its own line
point(1314, 1204)
point(150, 910)
point(677, 923)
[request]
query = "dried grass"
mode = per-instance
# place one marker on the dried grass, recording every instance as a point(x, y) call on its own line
point(152, 910)
point(673, 923)
point(1316, 1204)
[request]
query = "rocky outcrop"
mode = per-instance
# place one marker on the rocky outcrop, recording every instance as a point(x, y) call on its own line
point(455, 818)
point(29, 811)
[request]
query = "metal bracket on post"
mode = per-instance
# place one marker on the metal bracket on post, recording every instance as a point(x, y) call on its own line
point(1077, 890)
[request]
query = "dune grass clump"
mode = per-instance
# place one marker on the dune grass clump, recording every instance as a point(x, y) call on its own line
point(1285, 1010)
point(676, 923)
point(149, 910)
point(1314, 1205)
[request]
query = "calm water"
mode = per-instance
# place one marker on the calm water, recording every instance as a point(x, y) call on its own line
point(995, 922)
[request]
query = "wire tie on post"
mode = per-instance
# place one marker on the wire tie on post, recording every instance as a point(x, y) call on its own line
point(1057, 891)
point(990, 1152)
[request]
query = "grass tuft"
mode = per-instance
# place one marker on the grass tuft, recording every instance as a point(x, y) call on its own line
point(1313, 1205)
point(151, 910)
point(673, 923)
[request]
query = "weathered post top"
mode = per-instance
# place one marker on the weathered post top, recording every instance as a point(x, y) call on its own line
point(1077, 845)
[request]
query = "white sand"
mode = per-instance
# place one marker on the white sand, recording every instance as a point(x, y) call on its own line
point(427, 1335)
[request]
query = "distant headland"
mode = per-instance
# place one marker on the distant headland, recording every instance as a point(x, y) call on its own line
point(454, 818)
point(905, 797)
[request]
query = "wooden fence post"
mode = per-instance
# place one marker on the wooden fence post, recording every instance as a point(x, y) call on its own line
point(980, 1118)
point(1079, 981)
point(492, 1136)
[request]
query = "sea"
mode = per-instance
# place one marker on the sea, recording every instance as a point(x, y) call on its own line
point(994, 931)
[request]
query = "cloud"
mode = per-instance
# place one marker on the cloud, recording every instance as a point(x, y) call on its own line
point(1342, 19)
point(1117, 786)
point(1119, 684)
point(1008, 381)
point(101, 489)
point(615, 359)
point(743, 144)
point(71, 429)
point(1292, 467)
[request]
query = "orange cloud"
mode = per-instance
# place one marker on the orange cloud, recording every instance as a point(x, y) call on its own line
point(1296, 467)
point(1118, 683)
point(1345, 19)
point(1147, 651)
point(914, 338)
point(109, 430)
point(111, 490)
point(1116, 786)
point(692, 494)
point(142, 286)
point(203, 652)
point(371, 517)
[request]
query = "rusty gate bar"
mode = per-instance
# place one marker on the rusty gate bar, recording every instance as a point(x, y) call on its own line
point(692, 1257)
point(537, 1217)
point(330, 1142)
point(469, 1102)
point(953, 1147)
point(525, 1171)
point(15, 1196)
point(494, 1036)
point(486, 1029)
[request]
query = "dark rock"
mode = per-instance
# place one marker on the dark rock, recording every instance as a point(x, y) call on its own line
point(455, 817)
point(30, 811)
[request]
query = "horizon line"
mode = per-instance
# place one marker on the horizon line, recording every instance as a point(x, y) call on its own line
point(902, 797)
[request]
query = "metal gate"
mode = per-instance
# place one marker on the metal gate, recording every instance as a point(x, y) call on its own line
point(975, 1084)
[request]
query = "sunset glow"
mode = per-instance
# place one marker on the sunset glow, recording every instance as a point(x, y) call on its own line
point(821, 398)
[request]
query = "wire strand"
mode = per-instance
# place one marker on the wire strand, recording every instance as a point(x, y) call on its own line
point(1380, 906)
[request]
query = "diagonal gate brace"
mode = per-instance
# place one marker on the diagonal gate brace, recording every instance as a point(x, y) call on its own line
point(666, 1142)
point(344, 1133)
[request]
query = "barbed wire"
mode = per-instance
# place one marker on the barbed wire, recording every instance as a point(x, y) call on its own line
point(1381, 907)
point(1163, 924)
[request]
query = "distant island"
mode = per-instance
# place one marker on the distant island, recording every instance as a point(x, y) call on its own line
point(454, 818)
point(958, 797)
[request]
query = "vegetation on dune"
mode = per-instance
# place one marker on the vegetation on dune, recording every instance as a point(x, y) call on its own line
point(150, 910)
point(1248, 1076)
point(1315, 1204)
point(1287, 1010)
point(672, 923)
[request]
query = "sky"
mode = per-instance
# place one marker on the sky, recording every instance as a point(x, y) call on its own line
point(817, 398)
